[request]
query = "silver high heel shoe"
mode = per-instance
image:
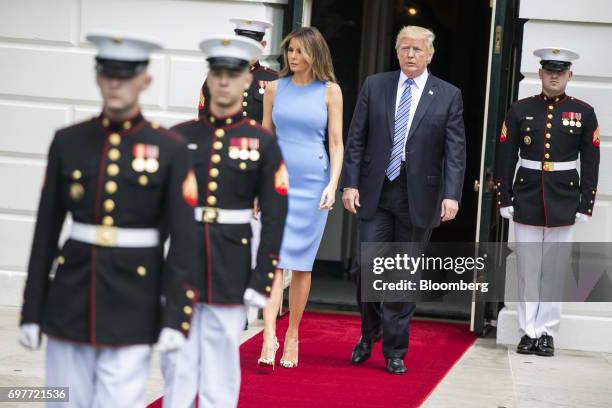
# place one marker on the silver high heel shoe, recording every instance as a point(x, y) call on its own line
point(271, 349)
point(289, 363)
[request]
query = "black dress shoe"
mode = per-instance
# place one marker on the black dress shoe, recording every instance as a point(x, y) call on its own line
point(363, 348)
point(362, 351)
point(396, 366)
point(545, 346)
point(527, 345)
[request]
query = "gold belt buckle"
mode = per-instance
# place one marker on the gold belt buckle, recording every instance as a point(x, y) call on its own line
point(106, 236)
point(548, 166)
point(210, 215)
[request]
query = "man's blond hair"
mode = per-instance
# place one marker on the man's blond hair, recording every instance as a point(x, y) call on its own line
point(418, 33)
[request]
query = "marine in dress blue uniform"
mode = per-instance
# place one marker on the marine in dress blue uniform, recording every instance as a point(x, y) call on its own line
point(235, 160)
point(546, 134)
point(127, 184)
point(252, 102)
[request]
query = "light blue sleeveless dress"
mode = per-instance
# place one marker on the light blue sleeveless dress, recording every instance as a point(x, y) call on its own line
point(300, 117)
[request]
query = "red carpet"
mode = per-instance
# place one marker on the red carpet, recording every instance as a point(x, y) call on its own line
point(326, 378)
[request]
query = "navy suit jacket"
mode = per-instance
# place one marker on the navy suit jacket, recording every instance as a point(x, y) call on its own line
point(435, 148)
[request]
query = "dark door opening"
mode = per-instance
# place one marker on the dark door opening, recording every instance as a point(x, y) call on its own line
point(361, 36)
point(341, 24)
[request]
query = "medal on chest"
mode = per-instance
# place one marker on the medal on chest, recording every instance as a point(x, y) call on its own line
point(244, 148)
point(146, 158)
point(572, 119)
point(262, 87)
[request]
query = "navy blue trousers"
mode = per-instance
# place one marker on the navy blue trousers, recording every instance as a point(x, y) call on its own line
point(391, 223)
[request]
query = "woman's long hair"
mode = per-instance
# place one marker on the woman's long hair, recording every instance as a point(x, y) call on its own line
point(315, 51)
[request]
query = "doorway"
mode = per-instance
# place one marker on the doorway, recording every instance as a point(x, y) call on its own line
point(361, 36)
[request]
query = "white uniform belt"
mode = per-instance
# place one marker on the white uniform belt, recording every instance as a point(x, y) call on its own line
point(549, 166)
point(102, 235)
point(211, 215)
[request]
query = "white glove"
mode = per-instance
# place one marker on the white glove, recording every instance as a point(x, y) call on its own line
point(581, 218)
point(255, 299)
point(29, 336)
point(170, 340)
point(507, 212)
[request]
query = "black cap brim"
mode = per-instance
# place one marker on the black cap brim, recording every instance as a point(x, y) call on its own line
point(232, 64)
point(120, 69)
point(558, 66)
point(253, 35)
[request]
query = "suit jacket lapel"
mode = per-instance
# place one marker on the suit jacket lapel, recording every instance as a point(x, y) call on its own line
point(391, 96)
point(429, 93)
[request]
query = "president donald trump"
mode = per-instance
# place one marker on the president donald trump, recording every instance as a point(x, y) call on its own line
point(403, 173)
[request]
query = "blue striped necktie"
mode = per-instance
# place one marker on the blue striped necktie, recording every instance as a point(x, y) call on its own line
point(401, 121)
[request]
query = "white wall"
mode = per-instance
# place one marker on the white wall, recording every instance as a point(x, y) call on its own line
point(585, 27)
point(47, 82)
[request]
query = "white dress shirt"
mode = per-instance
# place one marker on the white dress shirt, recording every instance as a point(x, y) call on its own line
point(417, 90)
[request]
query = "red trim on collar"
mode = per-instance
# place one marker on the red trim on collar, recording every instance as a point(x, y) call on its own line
point(220, 121)
point(554, 99)
point(135, 123)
